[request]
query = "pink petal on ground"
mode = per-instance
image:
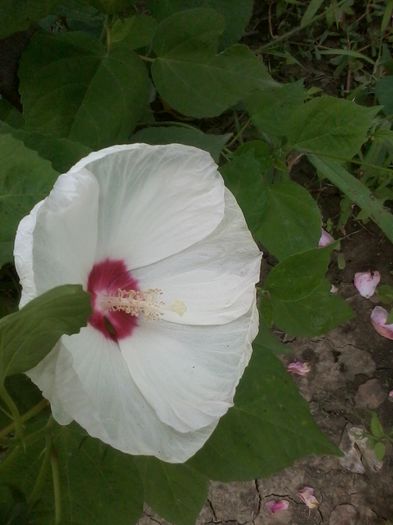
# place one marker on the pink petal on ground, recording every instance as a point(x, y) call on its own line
point(378, 318)
point(306, 494)
point(276, 505)
point(299, 368)
point(366, 282)
point(333, 289)
point(390, 395)
point(325, 239)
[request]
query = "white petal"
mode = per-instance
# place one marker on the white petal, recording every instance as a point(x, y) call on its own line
point(214, 279)
point(366, 283)
point(23, 255)
point(154, 200)
point(88, 379)
point(188, 374)
point(65, 234)
point(325, 239)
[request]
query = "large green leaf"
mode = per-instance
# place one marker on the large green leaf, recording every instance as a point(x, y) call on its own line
point(291, 221)
point(356, 191)
point(299, 295)
point(267, 430)
point(28, 335)
point(73, 87)
point(189, 74)
point(17, 15)
point(313, 314)
point(62, 153)
point(298, 275)
point(25, 179)
point(136, 31)
point(112, 6)
point(236, 14)
point(384, 92)
point(96, 484)
point(178, 134)
point(245, 176)
point(270, 107)
point(329, 126)
point(176, 492)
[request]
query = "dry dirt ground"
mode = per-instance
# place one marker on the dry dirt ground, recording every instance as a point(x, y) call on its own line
point(351, 375)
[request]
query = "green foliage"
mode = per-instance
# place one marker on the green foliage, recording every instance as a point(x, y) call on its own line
point(384, 92)
point(135, 32)
point(25, 179)
point(210, 82)
point(269, 408)
point(17, 15)
point(299, 295)
point(236, 14)
point(86, 481)
point(244, 176)
point(62, 153)
point(356, 191)
point(181, 135)
point(291, 221)
point(329, 126)
point(92, 106)
point(28, 335)
point(176, 492)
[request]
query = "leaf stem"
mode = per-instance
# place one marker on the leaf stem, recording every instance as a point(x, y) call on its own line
point(10, 403)
point(36, 409)
point(56, 484)
point(39, 482)
point(146, 59)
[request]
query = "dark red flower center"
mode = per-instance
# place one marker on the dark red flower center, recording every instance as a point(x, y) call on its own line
point(106, 278)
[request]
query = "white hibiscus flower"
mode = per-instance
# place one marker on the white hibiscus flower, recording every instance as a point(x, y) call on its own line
point(164, 250)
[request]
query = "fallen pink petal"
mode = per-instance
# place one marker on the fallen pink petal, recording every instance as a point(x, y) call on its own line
point(378, 318)
point(333, 289)
point(390, 395)
point(306, 494)
point(325, 239)
point(366, 283)
point(299, 368)
point(277, 505)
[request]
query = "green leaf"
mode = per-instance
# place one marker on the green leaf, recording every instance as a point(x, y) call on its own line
point(28, 335)
point(266, 339)
point(267, 430)
point(189, 74)
point(9, 114)
point(178, 134)
point(375, 426)
point(356, 191)
point(385, 293)
point(96, 482)
point(25, 179)
point(329, 126)
point(310, 12)
point(176, 492)
point(291, 221)
point(380, 450)
point(112, 6)
point(298, 275)
point(313, 314)
point(72, 87)
point(244, 176)
point(17, 15)
point(269, 107)
point(136, 31)
point(62, 153)
point(384, 93)
point(236, 14)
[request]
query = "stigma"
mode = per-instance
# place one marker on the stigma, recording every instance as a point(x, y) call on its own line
point(145, 303)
